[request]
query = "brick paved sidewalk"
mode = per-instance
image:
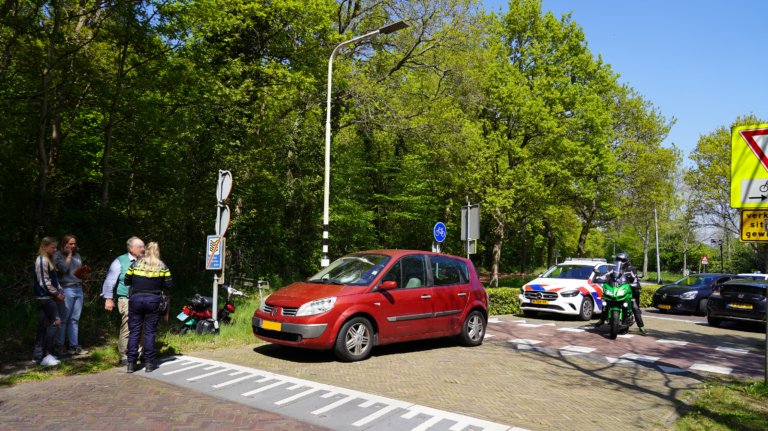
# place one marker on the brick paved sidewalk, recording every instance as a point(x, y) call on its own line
point(113, 400)
point(493, 382)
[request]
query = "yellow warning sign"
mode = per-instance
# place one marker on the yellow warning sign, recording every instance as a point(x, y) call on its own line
point(749, 166)
point(753, 226)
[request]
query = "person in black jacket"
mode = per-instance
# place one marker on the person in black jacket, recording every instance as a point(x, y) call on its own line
point(622, 265)
point(146, 279)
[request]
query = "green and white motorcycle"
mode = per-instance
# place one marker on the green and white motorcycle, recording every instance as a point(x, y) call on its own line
point(617, 298)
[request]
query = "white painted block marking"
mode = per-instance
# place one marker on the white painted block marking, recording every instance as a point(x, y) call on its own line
point(732, 350)
point(262, 380)
point(489, 336)
point(568, 353)
point(333, 405)
point(636, 357)
point(232, 382)
point(524, 341)
point(494, 320)
point(410, 414)
point(625, 362)
point(427, 424)
point(373, 416)
point(294, 387)
point(458, 426)
point(207, 375)
point(329, 394)
point(265, 388)
point(525, 347)
point(671, 369)
point(367, 403)
point(182, 369)
point(571, 330)
point(297, 396)
point(210, 368)
point(237, 373)
point(579, 349)
point(535, 325)
point(678, 343)
point(711, 368)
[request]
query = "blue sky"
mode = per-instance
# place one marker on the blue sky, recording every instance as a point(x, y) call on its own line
point(704, 62)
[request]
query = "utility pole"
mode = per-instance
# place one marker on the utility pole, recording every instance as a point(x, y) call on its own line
point(658, 258)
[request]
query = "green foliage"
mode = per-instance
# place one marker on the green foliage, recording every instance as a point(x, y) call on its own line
point(646, 295)
point(503, 300)
point(727, 403)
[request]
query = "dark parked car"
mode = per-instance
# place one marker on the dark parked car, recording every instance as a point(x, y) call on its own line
point(690, 293)
point(740, 300)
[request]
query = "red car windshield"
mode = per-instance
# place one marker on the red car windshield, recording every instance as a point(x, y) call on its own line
point(358, 269)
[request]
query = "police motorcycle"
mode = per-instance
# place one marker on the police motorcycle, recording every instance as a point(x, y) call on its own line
point(196, 316)
point(617, 299)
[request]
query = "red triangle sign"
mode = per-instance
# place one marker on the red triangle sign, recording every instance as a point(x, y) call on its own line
point(704, 260)
point(757, 139)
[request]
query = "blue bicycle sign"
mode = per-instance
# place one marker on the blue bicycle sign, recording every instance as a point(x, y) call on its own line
point(440, 231)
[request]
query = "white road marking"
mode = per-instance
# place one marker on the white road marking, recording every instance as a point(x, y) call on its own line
point(579, 349)
point(210, 368)
point(732, 350)
point(273, 385)
point(715, 357)
point(427, 424)
point(620, 335)
point(494, 320)
point(237, 373)
point(294, 387)
point(263, 379)
point(625, 362)
point(297, 396)
point(711, 368)
point(489, 336)
point(637, 357)
point(571, 330)
point(524, 341)
point(387, 404)
point(679, 343)
point(207, 375)
point(232, 382)
point(333, 405)
point(535, 325)
point(525, 347)
point(373, 416)
point(676, 320)
point(671, 369)
point(182, 369)
point(546, 335)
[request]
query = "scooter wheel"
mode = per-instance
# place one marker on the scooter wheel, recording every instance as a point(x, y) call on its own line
point(186, 329)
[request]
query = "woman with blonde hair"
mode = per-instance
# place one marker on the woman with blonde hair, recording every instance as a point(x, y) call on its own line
point(48, 292)
point(146, 279)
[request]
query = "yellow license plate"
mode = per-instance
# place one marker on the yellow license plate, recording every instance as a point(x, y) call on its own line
point(737, 305)
point(274, 326)
point(666, 307)
point(540, 301)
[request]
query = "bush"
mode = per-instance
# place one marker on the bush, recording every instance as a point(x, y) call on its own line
point(515, 281)
point(646, 295)
point(503, 300)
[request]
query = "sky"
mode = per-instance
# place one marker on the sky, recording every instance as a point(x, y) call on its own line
point(704, 63)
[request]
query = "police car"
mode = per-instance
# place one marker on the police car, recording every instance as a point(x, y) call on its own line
point(566, 288)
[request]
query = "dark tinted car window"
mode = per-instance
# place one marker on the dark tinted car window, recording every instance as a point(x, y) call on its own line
point(394, 275)
point(695, 280)
point(444, 271)
point(740, 288)
point(414, 271)
point(464, 269)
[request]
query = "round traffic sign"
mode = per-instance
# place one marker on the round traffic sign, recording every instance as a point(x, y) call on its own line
point(439, 231)
point(222, 220)
point(224, 187)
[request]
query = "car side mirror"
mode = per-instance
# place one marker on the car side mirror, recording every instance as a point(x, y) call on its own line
point(388, 285)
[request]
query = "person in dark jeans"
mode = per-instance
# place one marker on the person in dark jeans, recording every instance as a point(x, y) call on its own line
point(47, 291)
point(623, 266)
point(146, 279)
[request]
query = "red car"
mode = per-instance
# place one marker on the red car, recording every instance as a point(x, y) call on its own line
point(377, 297)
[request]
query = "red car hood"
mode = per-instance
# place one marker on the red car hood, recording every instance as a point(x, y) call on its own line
point(312, 291)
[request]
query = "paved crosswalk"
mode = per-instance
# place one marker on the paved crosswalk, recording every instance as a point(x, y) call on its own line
point(326, 405)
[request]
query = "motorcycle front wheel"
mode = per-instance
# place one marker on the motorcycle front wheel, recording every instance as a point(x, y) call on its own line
point(615, 322)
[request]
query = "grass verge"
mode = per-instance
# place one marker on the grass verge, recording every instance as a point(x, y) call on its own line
point(98, 360)
point(727, 403)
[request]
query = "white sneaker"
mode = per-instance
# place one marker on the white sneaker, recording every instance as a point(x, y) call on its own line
point(49, 360)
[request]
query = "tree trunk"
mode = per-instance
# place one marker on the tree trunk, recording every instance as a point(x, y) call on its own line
point(583, 238)
point(498, 239)
point(685, 260)
point(550, 242)
point(523, 248)
point(43, 120)
point(109, 129)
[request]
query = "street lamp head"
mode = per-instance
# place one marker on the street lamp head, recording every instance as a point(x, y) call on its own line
point(391, 28)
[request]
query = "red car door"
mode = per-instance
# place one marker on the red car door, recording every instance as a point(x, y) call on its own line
point(449, 293)
point(406, 310)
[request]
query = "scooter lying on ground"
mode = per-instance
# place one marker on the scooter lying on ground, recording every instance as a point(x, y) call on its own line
point(617, 298)
point(196, 315)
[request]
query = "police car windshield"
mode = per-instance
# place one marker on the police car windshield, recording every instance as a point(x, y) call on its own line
point(574, 272)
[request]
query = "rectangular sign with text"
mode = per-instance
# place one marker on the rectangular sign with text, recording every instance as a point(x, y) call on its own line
point(753, 226)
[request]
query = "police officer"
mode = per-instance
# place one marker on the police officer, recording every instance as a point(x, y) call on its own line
point(622, 266)
point(146, 278)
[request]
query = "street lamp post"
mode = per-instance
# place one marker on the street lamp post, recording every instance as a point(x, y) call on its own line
point(614, 248)
point(720, 243)
point(324, 262)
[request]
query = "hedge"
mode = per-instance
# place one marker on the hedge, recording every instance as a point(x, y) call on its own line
point(505, 300)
